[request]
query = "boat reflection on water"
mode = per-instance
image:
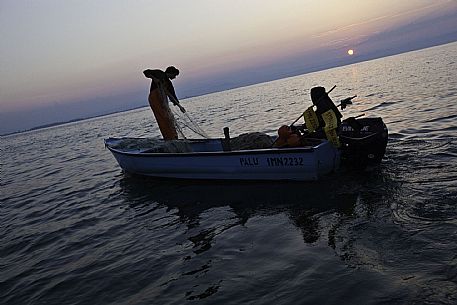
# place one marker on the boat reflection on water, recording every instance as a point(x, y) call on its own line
point(208, 233)
point(302, 202)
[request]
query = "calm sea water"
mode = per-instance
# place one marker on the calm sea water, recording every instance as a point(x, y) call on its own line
point(75, 230)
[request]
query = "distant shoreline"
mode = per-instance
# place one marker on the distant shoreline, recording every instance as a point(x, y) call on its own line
point(67, 122)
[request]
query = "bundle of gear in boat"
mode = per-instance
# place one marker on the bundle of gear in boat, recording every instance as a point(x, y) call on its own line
point(362, 141)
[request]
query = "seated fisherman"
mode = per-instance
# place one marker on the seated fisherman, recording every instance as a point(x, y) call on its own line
point(323, 103)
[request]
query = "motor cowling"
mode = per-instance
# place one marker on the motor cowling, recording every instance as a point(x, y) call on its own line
point(363, 141)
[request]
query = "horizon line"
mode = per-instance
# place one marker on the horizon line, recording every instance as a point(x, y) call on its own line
point(285, 76)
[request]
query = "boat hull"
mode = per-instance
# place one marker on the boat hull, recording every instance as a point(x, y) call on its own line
point(300, 164)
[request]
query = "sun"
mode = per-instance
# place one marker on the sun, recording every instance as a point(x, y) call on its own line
point(350, 52)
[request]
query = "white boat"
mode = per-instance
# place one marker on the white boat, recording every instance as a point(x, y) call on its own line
point(356, 142)
point(206, 159)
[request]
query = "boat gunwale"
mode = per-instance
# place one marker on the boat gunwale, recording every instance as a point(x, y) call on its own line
point(307, 149)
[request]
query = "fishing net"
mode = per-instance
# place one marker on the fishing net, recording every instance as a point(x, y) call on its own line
point(183, 121)
point(153, 145)
point(252, 140)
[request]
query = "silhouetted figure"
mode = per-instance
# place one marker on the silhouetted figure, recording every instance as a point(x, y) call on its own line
point(323, 103)
point(161, 90)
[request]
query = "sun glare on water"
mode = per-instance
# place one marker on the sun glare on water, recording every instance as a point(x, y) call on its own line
point(350, 52)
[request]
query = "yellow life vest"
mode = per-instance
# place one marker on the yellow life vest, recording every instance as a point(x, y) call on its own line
point(331, 125)
point(311, 120)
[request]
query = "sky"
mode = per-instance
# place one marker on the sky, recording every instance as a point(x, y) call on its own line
point(63, 60)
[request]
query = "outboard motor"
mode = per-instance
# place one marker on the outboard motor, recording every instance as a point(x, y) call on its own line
point(363, 141)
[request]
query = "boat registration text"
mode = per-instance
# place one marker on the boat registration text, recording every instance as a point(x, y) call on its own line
point(280, 161)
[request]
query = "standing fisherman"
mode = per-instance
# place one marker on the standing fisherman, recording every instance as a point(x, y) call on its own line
point(161, 90)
